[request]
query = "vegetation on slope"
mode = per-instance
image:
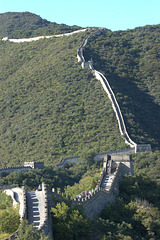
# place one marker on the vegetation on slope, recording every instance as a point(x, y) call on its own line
point(48, 108)
point(135, 215)
point(9, 217)
point(131, 62)
point(26, 24)
point(48, 111)
point(148, 163)
point(85, 173)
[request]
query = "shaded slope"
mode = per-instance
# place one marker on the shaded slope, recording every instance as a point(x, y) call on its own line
point(130, 61)
point(50, 107)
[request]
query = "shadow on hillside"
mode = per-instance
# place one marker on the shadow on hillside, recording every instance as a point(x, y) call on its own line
point(141, 114)
point(140, 104)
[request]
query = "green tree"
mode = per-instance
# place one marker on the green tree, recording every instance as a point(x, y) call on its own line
point(9, 221)
point(68, 223)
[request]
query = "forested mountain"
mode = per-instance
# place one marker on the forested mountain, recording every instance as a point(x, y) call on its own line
point(62, 118)
point(26, 24)
point(51, 108)
point(48, 108)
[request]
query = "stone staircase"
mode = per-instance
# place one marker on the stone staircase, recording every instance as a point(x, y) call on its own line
point(35, 208)
point(107, 182)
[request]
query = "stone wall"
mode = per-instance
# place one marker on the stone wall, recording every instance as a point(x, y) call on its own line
point(100, 198)
point(27, 166)
point(24, 214)
point(41, 37)
point(13, 169)
point(24, 206)
point(3, 187)
point(34, 165)
point(116, 108)
point(143, 148)
point(108, 90)
point(46, 226)
point(84, 43)
point(64, 161)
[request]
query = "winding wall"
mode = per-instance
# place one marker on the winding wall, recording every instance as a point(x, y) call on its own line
point(40, 37)
point(95, 203)
point(101, 197)
point(18, 195)
point(108, 90)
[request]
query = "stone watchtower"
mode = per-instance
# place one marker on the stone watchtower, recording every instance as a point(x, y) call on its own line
point(34, 165)
point(112, 161)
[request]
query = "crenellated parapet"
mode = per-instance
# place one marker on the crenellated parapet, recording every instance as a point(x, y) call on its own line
point(13, 169)
point(143, 148)
point(27, 166)
point(24, 204)
point(95, 201)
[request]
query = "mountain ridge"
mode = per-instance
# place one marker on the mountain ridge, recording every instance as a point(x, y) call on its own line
point(26, 24)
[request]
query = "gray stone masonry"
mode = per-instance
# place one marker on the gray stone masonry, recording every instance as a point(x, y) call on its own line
point(27, 166)
point(106, 190)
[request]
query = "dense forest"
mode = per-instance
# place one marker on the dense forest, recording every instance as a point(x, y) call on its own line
point(131, 62)
point(52, 108)
point(48, 108)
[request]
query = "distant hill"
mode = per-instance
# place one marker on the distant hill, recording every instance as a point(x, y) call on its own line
point(26, 24)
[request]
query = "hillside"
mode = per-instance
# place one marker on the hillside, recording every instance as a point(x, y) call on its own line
point(62, 118)
point(26, 24)
point(48, 108)
point(131, 62)
point(51, 108)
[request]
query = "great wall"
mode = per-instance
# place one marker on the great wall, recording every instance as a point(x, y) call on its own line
point(115, 165)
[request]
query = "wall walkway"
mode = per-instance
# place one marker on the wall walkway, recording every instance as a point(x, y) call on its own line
point(38, 210)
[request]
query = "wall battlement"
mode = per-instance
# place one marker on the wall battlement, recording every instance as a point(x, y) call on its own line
point(95, 202)
point(13, 169)
point(27, 166)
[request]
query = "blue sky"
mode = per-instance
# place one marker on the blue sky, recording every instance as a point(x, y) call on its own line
point(111, 14)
